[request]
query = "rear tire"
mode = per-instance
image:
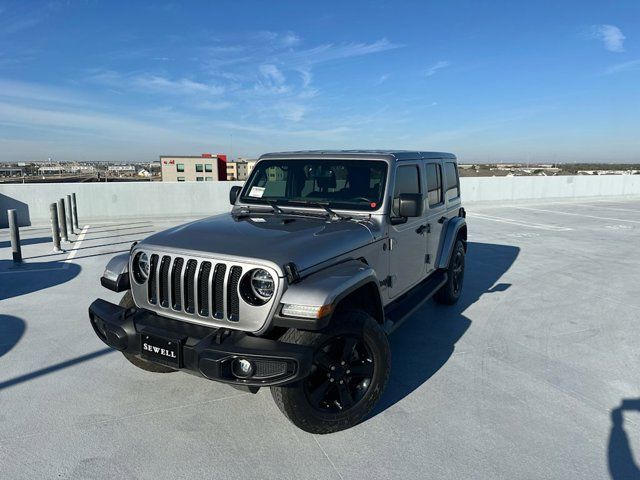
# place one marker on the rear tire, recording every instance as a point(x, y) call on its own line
point(127, 302)
point(353, 350)
point(450, 292)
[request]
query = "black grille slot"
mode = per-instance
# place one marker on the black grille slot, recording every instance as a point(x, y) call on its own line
point(189, 286)
point(203, 288)
point(164, 281)
point(176, 284)
point(218, 290)
point(152, 291)
point(233, 302)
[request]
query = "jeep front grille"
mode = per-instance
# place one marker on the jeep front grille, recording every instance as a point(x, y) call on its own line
point(199, 290)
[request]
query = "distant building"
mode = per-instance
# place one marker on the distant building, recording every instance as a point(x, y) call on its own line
point(122, 169)
point(11, 172)
point(50, 170)
point(205, 168)
point(88, 169)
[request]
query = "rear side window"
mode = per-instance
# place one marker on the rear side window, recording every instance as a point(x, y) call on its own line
point(434, 184)
point(407, 181)
point(453, 183)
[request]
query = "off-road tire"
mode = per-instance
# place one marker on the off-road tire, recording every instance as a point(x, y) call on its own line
point(127, 302)
point(293, 400)
point(450, 292)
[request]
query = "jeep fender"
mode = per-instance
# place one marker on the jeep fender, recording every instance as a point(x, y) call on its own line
point(453, 227)
point(116, 274)
point(328, 287)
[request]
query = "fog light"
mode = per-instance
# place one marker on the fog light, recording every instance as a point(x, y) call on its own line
point(242, 368)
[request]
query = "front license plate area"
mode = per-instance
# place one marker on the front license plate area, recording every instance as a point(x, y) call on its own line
point(161, 350)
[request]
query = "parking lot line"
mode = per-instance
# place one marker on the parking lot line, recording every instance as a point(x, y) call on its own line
point(519, 223)
point(77, 244)
point(577, 214)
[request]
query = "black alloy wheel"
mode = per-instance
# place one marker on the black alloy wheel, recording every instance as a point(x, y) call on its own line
point(343, 369)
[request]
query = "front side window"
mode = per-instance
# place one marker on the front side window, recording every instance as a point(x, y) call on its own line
point(198, 167)
point(180, 167)
point(434, 184)
point(453, 182)
point(407, 181)
point(346, 184)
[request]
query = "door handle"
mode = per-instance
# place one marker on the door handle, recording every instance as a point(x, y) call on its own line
point(442, 219)
point(421, 229)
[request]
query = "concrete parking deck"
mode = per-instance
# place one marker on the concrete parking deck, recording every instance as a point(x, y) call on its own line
point(522, 379)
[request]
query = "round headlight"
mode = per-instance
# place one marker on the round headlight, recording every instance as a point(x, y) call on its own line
point(262, 284)
point(141, 267)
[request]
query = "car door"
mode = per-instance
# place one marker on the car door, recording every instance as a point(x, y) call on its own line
point(407, 255)
point(436, 210)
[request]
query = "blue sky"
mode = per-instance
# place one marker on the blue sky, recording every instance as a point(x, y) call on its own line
point(490, 81)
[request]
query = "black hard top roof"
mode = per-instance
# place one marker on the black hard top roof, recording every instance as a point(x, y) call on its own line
point(360, 154)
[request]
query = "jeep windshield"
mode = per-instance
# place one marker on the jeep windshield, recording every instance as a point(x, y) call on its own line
point(332, 184)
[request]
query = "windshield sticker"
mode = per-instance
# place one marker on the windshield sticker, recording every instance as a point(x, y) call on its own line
point(373, 204)
point(256, 192)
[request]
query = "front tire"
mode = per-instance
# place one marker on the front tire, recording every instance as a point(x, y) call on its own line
point(450, 292)
point(127, 302)
point(350, 370)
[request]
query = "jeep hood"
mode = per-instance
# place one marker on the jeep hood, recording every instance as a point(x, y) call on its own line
point(281, 239)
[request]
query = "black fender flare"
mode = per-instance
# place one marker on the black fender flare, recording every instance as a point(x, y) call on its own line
point(452, 228)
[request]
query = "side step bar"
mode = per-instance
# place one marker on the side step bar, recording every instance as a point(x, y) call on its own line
point(399, 310)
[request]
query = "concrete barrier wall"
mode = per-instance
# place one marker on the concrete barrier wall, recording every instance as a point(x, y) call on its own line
point(506, 189)
point(105, 201)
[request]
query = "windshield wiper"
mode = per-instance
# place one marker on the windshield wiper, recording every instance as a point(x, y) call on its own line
point(332, 215)
point(274, 205)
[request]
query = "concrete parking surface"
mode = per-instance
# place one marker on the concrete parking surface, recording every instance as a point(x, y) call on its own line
point(533, 374)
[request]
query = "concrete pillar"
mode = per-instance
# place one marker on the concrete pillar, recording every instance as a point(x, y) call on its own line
point(62, 223)
point(55, 228)
point(16, 250)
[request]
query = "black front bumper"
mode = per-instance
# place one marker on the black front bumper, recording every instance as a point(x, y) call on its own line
point(208, 352)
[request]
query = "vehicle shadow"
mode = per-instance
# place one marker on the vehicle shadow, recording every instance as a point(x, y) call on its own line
point(424, 343)
point(11, 331)
point(31, 277)
point(619, 455)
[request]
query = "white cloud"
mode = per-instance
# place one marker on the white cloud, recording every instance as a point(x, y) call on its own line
point(433, 69)
point(611, 36)
point(154, 83)
point(180, 86)
point(623, 67)
point(272, 74)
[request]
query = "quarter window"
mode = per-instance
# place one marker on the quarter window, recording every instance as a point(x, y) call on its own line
point(453, 182)
point(407, 181)
point(180, 167)
point(434, 184)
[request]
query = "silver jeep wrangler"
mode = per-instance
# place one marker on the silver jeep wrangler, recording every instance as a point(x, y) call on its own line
point(323, 254)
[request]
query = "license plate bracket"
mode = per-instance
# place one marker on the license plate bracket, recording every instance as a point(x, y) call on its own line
point(167, 351)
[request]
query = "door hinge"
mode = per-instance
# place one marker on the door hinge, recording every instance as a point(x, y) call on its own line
point(427, 258)
point(387, 282)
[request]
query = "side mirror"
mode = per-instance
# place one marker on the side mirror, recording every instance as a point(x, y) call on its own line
point(409, 205)
point(233, 194)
